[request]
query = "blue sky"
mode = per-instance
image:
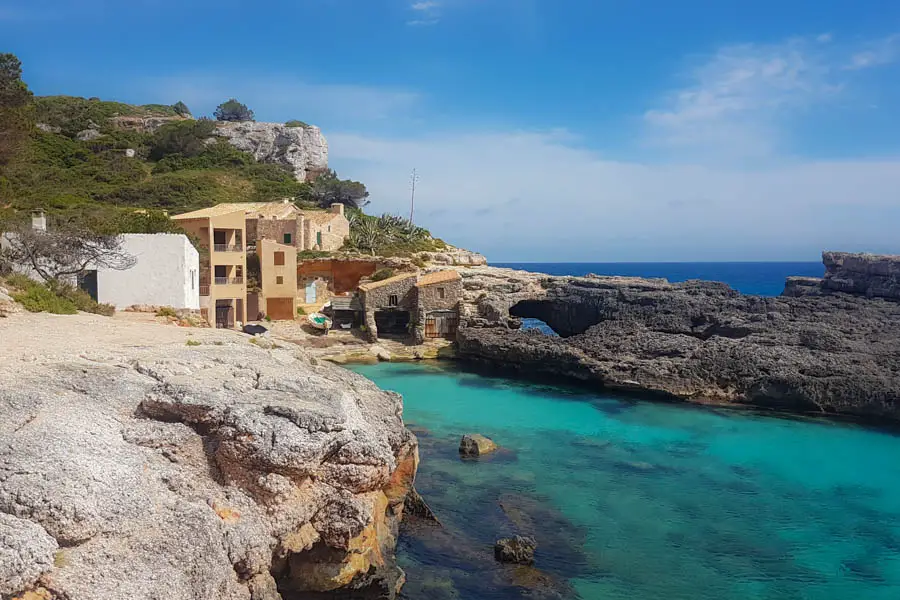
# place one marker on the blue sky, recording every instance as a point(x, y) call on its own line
point(546, 130)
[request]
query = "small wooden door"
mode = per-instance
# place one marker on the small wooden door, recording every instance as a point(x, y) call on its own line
point(441, 324)
point(311, 292)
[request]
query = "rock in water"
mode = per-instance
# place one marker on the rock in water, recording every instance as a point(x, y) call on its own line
point(416, 506)
point(475, 444)
point(517, 550)
point(302, 149)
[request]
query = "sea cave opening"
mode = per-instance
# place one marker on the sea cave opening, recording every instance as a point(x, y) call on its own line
point(534, 315)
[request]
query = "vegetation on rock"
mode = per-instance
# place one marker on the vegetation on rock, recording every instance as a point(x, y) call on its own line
point(232, 110)
point(389, 235)
point(54, 297)
point(296, 123)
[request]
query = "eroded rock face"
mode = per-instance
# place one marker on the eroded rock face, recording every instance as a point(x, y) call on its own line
point(199, 473)
point(302, 149)
point(869, 275)
point(700, 341)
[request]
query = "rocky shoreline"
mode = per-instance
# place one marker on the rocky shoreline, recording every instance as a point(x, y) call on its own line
point(827, 346)
point(140, 460)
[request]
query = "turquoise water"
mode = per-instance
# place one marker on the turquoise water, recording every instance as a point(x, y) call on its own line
point(643, 500)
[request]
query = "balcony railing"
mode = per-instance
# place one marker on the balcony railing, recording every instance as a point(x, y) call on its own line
point(228, 280)
point(228, 248)
point(204, 289)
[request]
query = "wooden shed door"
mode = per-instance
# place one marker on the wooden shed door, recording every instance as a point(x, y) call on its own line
point(442, 324)
point(280, 309)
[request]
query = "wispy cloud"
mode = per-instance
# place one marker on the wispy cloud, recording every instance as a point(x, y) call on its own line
point(741, 101)
point(877, 53)
point(428, 12)
point(738, 94)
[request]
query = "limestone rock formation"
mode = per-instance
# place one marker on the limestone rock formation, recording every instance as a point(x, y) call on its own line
point(198, 473)
point(302, 149)
point(452, 256)
point(868, 275)
point(473, 445)
point(832, 352)
point(517, 550)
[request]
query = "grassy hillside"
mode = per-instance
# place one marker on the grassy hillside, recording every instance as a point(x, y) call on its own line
point(60, 173)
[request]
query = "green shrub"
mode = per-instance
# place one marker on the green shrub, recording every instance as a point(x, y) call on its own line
point(39, 298)
point(182, 138)
point(382, 274)
point(300, 311)
point(232, 110)
point(81, 299)
point(311, 254)
point(166, 311)
point(193, 343)
point(296, 123)
point(419, 262)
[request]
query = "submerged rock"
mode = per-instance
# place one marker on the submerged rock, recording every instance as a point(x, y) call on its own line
point(518, 550)
point(474, 445)
point(416, 506)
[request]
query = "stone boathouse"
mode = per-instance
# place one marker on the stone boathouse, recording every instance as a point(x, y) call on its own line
point(412, 306)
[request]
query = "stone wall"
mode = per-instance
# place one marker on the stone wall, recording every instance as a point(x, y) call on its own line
point(274, 229)
point(429, 297)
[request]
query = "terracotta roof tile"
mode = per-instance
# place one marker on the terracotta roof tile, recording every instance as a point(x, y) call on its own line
point(439, 277)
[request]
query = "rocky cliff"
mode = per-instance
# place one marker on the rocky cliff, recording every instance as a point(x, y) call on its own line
point(134, 468)
point(833, 352)
point(867, 275)
point(302, 149)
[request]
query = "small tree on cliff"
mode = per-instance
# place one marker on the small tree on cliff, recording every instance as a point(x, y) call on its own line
point(181, 109)
point(233, 111)
point(328, 189)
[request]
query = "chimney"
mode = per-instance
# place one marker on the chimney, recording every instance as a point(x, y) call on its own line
point(337, 208)
point(38, 220)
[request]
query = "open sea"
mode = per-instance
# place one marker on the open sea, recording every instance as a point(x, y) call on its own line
point(642, 500)
point(762, 278)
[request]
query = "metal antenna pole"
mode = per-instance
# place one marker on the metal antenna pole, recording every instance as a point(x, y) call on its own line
point(413, 179)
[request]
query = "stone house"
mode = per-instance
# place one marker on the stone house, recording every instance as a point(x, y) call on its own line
point(412, 306)
point(324, 230)
point(389, 305)
point(438, 295)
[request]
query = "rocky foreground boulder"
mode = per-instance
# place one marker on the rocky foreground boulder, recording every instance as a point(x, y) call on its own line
point(213, 472)
point(834, 350)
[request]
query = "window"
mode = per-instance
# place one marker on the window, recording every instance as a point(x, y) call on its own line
point(319, 239)
point(279, 259)
point(329, 229)
point(441, 293)
point(192, 280)
point(393, 300)
point(238, 271)
point(287, 238)
point(279, 280)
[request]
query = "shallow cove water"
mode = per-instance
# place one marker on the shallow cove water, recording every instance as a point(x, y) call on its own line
point(642, 500)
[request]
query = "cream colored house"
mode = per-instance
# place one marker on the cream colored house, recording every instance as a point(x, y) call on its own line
point(275, 231)
point(222, 233)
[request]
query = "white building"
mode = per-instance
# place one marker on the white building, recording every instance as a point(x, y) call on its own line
point(167, 273)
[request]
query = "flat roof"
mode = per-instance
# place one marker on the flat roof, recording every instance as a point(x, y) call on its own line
point(267, 209)
point(439, 277)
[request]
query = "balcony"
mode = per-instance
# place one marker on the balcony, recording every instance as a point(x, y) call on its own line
point(228, 281)
point(227, 248)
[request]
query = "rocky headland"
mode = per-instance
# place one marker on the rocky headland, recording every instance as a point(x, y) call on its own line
point(148, 461)
point(829, 345)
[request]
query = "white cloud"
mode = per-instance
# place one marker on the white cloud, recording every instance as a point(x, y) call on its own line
point(428, 13)
point(878, 53)
point(283, 97)
point(538, 196)
point(824, 38)
point(737, 97)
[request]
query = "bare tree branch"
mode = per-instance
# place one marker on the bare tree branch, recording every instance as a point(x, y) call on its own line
point(65, 251)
